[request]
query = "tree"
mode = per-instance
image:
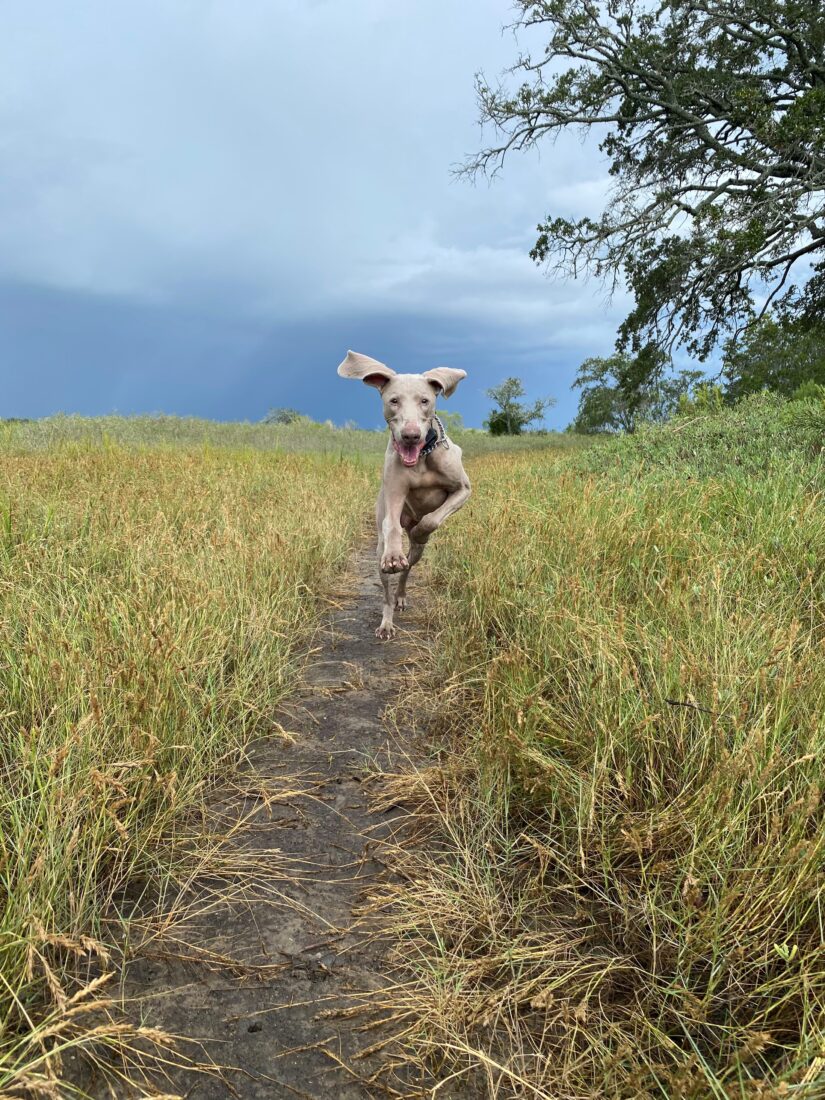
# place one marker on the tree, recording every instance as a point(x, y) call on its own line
point(774, 354)
point(283, 416)
point(706, 398)
point(621, 390)
point(512, 417)
point(452, 421)
point(712, 116)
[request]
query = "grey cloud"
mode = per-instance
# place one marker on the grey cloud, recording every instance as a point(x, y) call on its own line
point(278, 161)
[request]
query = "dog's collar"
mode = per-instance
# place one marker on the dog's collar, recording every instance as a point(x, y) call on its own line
point(434, 438)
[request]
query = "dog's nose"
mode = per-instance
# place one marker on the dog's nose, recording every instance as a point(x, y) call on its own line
point(410, 433)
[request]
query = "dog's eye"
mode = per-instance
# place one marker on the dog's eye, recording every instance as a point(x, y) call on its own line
point(425, 401)
point(393, 400)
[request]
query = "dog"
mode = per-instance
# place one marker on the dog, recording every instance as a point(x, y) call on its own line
point(424, 480)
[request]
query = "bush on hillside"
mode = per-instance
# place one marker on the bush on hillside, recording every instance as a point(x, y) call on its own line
point(756, 435)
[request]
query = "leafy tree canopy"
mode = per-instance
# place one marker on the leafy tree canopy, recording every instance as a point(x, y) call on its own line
point(712, 116)
point(774, 354)
point(619, 391)
point(512, 416)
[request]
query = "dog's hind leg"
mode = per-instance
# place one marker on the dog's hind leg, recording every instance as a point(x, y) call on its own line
point(413, 555)
point(386, 630)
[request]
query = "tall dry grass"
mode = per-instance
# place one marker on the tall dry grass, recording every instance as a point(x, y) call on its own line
point(154, 608)
point(627, 690)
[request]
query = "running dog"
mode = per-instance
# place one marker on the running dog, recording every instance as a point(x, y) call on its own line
point(424, 481)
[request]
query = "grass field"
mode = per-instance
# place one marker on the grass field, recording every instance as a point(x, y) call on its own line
point(161, 577)
point(628, 896)
point(156, 603)
point(305, 436)
point(625, 688)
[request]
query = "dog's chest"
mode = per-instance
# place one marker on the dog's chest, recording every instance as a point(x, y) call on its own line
point(428, 478)
point(427, 490)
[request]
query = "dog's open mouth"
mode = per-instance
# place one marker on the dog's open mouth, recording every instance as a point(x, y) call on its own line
point(409, 452)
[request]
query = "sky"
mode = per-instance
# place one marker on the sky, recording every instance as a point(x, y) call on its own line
point(205, 203)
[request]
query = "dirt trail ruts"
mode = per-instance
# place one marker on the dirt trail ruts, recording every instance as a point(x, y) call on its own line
point(265, 1022)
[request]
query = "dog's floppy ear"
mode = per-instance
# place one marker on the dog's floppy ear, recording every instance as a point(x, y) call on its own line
point(368, 370)
point(444, 379)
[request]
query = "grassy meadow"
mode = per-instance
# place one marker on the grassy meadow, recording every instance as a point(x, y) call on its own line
point(301, 437)
point(156, 602)
point(624, 687)
point(626, 683)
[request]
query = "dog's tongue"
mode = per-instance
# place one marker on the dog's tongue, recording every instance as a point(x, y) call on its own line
point(409, 452)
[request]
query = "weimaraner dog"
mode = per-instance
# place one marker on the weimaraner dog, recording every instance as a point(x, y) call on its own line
point(424, 481)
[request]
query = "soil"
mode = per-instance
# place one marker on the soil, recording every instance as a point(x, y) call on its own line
point(290, 951)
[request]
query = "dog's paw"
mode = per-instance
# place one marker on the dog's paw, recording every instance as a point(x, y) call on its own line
point(423, 529)
point(394, 563)
point(402, 603)
point(385, 631)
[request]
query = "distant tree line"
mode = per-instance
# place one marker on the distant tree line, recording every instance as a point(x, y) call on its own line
point(783, 354)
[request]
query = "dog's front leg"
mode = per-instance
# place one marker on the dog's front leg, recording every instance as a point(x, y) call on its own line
point(433, 520)
point(393, 559)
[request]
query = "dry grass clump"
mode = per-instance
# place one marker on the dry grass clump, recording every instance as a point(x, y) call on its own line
point(626, 898)
point(154, 609)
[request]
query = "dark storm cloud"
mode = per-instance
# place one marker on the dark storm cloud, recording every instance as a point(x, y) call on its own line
point(204, 204)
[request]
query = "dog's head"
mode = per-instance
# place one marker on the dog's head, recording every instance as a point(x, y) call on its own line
point(409, 399)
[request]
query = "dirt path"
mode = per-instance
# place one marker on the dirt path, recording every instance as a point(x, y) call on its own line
point(292, 948)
